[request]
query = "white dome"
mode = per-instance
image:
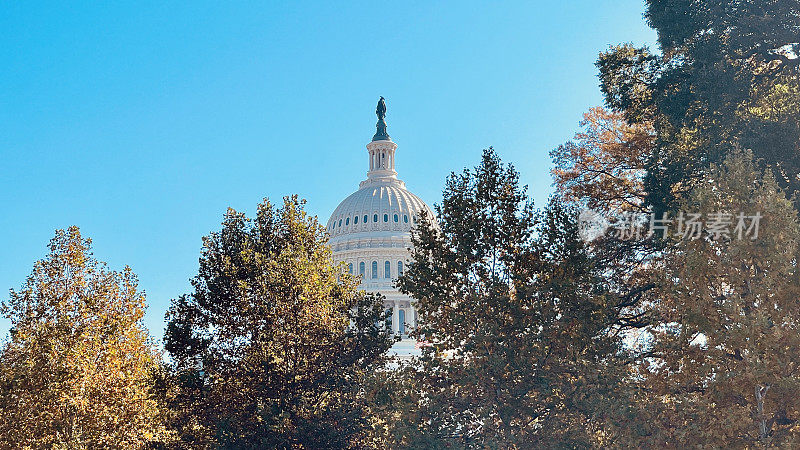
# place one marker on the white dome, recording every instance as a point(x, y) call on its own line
point(377, 209)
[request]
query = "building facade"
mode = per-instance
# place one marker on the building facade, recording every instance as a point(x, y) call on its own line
point(371, 231)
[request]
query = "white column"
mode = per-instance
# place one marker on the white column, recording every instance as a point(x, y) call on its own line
point(395, 319)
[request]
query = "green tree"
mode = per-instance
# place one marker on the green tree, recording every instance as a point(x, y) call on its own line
point(78, 369)
point(726, 77)
point(273, 345)
point(522, 325)
point(724, 364)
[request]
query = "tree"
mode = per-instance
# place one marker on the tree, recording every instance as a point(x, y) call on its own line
point(271, 347)
point(522, 325)
point(726, 78)
point(724, 364)
point(78, 368)
point(604, 165)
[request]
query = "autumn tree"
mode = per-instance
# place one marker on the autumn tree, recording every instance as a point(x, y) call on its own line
point(79, 365)
point(272, 346)
point(724, 363)
point(603, 166)
point(521, 323)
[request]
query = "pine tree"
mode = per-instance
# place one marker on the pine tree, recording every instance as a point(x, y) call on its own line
point(78, 369)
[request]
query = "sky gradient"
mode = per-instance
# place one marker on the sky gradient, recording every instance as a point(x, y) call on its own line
point(141, 122)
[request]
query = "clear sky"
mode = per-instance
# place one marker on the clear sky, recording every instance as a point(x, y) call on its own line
point(141, 122)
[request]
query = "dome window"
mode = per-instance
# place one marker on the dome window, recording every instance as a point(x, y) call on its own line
point(395, 218)
point(340, 222)
point(405, 218)
point(347, 221)
point(387, 270)
point(375, 218)
point(355, 220)
point(374, 269)
point(365, 218)
point(385, 217)
point(361, 268)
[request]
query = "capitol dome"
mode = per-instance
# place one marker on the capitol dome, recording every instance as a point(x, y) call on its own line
point(379, 209)
point(370, 231)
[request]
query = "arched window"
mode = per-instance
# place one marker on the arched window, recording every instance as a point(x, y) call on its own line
point(399, 268)
point(375, 218)
point(405, 218)
point(347, 221)
point(395, 218)
point(340, 222)
point(385, 217)
point(401, 319)
point(387, 270)
point(374, 269)
point(355, 220)
point(350, 268)
point(361, 269)
point(365, 218)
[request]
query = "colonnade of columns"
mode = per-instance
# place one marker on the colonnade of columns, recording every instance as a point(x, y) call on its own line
point(381, 160)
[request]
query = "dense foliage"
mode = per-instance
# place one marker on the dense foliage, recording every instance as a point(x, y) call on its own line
point(727, 76)
point(272, 347)
point(719, 112)
point(521, 323)
point(723, 365)
point(79, 369)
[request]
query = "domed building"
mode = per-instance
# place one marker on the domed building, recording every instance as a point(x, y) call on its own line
point(371, 231)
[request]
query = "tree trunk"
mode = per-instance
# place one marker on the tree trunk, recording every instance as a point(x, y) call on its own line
point(761, 391)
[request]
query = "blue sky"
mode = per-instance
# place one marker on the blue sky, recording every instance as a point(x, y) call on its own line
point(141, 122)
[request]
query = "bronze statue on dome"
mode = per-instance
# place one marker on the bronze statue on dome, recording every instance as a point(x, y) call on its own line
point(381, 134)
point(381, 109)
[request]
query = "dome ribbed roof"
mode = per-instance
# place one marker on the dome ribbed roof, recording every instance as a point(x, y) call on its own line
point(385, 206)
